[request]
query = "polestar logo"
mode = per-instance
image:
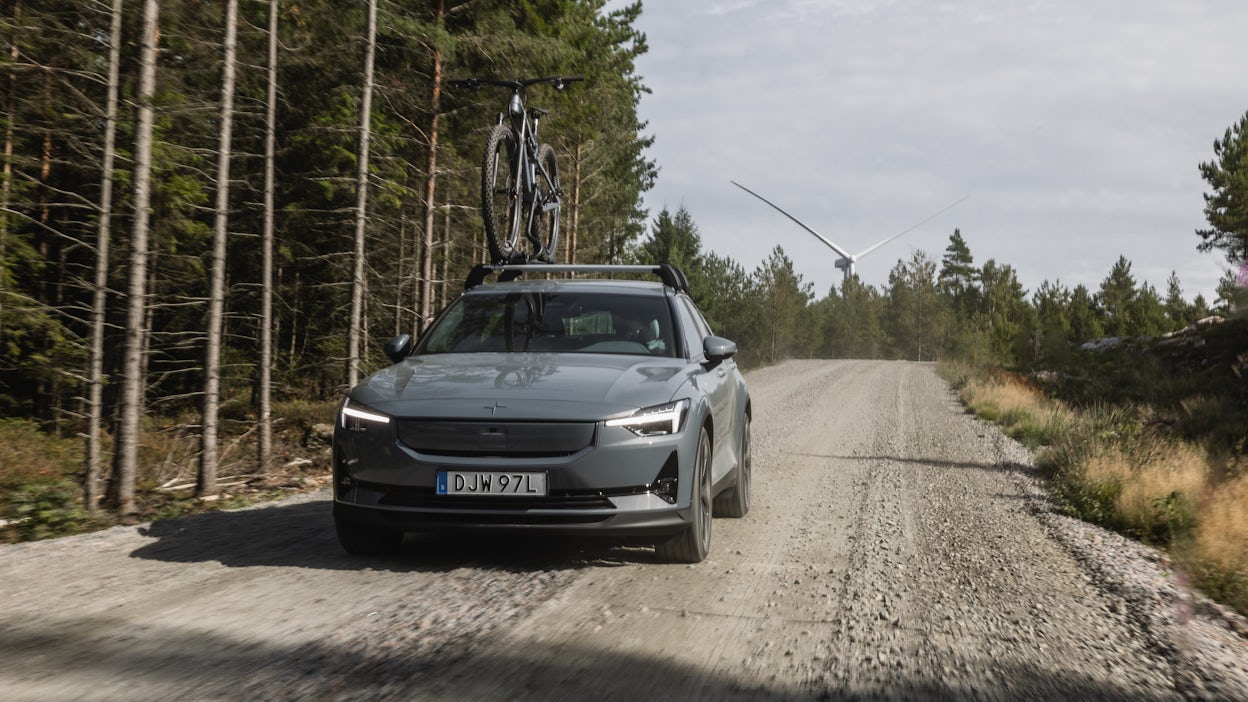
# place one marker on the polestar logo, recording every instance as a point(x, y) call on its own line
point(494, 407)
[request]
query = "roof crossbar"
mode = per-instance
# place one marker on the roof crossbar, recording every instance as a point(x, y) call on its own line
point(670, 275)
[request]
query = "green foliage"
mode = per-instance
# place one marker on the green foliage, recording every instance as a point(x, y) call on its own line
point(1226, 208)
point(41, 510)
point(1092, 502)
point(38, 497)
point(1224, 584)
point(958, 276)
point(917, 314)
point(782, 296)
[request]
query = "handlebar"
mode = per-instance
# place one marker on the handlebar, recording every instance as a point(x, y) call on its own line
point(515, 84)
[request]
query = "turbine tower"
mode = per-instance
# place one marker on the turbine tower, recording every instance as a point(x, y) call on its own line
point(847, 261)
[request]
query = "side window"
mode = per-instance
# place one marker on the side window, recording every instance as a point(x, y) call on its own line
point(692, 327)
point(698, 319)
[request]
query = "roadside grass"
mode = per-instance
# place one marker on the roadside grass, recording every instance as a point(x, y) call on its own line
point(1124, 467)
point(41, 492)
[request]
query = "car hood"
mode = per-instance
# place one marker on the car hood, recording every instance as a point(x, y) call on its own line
point(565, 387)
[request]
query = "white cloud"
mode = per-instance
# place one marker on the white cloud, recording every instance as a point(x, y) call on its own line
point(1076, 127)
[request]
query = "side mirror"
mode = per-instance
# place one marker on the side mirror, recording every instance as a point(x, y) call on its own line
point(717, 348)
point(396, 349)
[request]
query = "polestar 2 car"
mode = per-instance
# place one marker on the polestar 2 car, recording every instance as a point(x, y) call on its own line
point(587, 407)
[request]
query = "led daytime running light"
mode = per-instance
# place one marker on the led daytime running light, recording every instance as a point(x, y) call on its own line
point(354, 413)
point(670, 414)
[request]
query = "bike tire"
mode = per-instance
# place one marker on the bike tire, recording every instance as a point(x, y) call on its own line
point(500, 200)
point(546, 224)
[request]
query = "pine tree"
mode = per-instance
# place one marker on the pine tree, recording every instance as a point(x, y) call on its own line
point(1226, 208)
point(1177, 310)
point(917, 313)
point(783, 296)
point(1115, 297)
point(1085, 321)
point(1052, 302)
point(958, 274)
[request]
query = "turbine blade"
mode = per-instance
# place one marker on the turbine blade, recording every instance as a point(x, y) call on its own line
point(799, 223)
point(879, 244)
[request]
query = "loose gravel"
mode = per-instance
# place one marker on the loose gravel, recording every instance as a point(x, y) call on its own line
point(898, 548)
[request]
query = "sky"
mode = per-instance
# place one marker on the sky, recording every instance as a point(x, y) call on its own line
point(1074, 126)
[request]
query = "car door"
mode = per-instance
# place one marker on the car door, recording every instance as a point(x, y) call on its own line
point(717, 384)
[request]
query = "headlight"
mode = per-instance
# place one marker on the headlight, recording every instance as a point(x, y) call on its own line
point(656, 420)
point(357, 417)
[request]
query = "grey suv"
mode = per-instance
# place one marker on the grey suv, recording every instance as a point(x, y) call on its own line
point(577, 406)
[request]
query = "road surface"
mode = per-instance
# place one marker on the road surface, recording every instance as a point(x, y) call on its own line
point(897, 549)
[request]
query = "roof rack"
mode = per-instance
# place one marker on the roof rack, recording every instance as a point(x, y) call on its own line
point(666, 272)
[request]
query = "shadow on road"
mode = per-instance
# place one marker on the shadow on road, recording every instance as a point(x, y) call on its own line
point(174, 662)
point(930, 462)
point(302, 535)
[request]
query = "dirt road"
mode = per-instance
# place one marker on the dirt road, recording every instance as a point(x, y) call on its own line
point(897, 549)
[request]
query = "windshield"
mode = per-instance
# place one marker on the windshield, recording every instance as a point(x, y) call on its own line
point(568, 322)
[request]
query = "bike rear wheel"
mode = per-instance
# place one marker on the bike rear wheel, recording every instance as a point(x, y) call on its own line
point(500, 194)
point(546, 208)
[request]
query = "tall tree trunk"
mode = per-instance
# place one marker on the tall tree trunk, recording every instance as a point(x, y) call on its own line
point(361, 202)
point(400, 281)
point(574, 227)
point(6, 183)
point(95, 372)
point(206, 485)
point(448, 249)
point(126, 457)
point(431, 180)
point(264, 453)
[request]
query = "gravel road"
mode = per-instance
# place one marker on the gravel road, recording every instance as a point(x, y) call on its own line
point(897, 549)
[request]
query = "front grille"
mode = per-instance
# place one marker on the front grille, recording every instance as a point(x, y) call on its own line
point(498, 439)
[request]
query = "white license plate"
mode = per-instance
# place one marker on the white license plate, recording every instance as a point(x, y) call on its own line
point(452, 482)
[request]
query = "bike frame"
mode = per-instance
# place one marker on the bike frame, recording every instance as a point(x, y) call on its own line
point(524, 122)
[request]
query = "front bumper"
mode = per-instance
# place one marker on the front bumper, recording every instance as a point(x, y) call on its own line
point(613, 487)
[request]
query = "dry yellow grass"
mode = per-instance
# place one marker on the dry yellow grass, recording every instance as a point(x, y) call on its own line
point(1112, 469)
point(1157, 482)
point(1026, 413)
point(1222, 535)
point(1001, 396)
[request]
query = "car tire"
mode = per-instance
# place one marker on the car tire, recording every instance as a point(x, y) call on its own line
point(365, 539)
point(735, 501)
point(694, 543)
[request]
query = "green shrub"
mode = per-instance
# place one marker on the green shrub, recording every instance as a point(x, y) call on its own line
point(41, 510)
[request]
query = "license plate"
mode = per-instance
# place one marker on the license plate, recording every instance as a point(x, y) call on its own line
point(452, 482)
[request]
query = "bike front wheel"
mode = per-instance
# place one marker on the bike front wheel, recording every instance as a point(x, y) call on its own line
point(500, 194)
point(545, 232)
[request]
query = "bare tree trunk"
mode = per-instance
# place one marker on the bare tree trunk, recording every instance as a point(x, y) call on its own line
point(126, 455)
point(206, 485)
point(446, 257)
point(573, 229)
point(400, 282)
point(431, 180)
point(264, 453)
point(95, 377)
point(357, 276)
point(6, 184)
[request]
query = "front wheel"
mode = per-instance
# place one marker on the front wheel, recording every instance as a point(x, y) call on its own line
point(694, 543)
point(500, 194)
point(545, 231)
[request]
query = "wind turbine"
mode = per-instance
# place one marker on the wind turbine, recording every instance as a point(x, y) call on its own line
point(847, 260)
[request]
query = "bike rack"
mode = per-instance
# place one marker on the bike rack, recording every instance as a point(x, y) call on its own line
point(671, 276)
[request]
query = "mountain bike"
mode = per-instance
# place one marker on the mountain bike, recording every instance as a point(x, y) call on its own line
point(519, 178)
